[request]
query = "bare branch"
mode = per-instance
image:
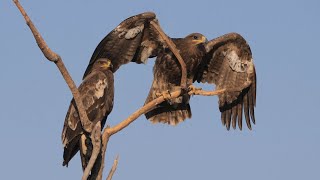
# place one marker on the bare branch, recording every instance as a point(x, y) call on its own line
point(105, 140)
point(114, 168)
point(173, 48)
point(96, 143)
point(207, 93)
point(52, 56)
point(139, 112)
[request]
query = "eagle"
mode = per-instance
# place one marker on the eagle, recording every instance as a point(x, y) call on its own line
point(131, 41)
point(225, 61)
point(97, 93)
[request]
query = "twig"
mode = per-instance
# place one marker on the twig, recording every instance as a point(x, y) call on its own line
point(139, 112)
point(207, 93)
point(114, 168)
point(96, 143)
point(105, 140)
point(173, 48)
point(54, 57)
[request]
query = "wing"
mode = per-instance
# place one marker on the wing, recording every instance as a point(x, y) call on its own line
point(229, 64)
point(97, 96)
point(165, 79)
point(132, 40)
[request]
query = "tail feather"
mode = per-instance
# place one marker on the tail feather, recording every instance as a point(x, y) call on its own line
point(70, 150)
point(169, 114)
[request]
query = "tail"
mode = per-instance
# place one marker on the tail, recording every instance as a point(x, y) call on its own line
point(169, 112)
point(70, 150)
point(86, 149)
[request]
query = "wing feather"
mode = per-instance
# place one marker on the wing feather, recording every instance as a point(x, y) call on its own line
point(123, 43)
point(228, 64)
point(96, 92)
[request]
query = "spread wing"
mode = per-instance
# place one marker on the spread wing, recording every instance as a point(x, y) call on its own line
point(97, 96)
point(132, 40)
point(229, 64)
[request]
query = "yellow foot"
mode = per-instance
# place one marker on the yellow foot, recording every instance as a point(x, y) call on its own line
point(192, 89)
point(166, 95)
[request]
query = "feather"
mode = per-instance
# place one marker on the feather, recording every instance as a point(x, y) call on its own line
point(227, 64)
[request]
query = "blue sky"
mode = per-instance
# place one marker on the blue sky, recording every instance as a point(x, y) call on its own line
point(284, 38)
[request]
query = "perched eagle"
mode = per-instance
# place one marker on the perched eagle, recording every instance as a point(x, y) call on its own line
point(167, 77)
point(97, 91)
point(225, 61)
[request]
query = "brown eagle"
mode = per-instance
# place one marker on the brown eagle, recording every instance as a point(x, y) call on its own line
point(97, 93)
point(225, 61)
point(132, 40)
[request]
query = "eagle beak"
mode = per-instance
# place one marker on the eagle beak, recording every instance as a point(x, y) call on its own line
point(107, 65)
point(202, 40)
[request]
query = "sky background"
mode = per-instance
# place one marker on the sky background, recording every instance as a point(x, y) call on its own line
point(284, 144)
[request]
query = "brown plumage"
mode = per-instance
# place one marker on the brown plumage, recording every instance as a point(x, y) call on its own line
point(167, 76)
point(97, 91)
point(228, 63)
point(133, 40)
point(225, 61)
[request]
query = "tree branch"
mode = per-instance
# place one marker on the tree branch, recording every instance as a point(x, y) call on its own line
point(172, 47)
point(52, 56)
point(114, 168)
point(96, 143)
point(105, 139)
point(207, 93)
point(108, 132)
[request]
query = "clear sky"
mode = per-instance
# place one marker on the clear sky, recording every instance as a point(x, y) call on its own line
point(284, 38)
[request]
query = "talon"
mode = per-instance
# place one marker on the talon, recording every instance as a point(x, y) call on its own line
point(166, 95)
point(192, 89)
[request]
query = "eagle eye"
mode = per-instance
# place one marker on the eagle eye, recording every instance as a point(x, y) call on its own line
point(195, 37)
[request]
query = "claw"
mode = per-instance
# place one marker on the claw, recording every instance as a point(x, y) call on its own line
point(166, 95)
point(192, 89)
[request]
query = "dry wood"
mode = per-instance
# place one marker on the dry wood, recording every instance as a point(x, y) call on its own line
point(54, 57)
point(207, 93)
point(113, 168)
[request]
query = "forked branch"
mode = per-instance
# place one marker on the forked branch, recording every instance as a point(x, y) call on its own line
point(109, 131)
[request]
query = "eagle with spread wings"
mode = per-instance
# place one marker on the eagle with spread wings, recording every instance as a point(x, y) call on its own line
point(225, 62)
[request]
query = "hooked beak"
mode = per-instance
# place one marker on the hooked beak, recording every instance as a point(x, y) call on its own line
point(202, 40)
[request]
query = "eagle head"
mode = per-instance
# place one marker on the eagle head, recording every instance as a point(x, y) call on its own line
point(103, 64)
point(196, 38)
